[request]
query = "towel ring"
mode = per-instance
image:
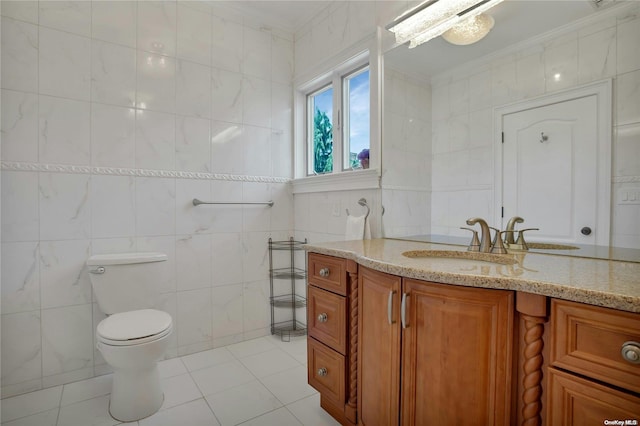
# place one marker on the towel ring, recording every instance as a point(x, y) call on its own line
point(363, 203)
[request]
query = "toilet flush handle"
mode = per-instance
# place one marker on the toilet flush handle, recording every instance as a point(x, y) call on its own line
point(98, 270)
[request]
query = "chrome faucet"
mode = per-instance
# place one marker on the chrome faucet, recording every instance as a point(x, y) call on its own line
point(509, 238)
point(485, 239)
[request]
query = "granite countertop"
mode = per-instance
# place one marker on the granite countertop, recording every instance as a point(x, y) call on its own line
point(608, 283)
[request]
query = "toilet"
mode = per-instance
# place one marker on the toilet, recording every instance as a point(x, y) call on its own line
point(133, 337)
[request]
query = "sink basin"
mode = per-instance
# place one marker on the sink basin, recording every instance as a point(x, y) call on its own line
point(546, 246)
point(461, 255)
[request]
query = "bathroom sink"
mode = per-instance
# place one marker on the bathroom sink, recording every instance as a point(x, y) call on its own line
point(461, 255)
point(546, 246)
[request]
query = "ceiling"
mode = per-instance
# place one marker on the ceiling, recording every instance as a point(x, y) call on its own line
point(515, 21)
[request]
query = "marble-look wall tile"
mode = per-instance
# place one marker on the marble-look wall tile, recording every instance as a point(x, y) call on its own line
point(64, 65)
point(65, 211)
point(227, 218)
point(113, 206)
point(281, 108)
point(192, 219)
point(281, 60)
point(166, 245)
point(193, 262)
point(20, 277)
point(258, 217)
point(114, 22)
point(227, 307)
point(530, 75)
point(626, 150)
point(19, 206)
point(64, 131)
point(194, 317)
point(282, 210)
point(64, 280)
point(226, 44)
point(21, 350)
point(70, 16)
point(155, 140)
point(194, 35)
point(561, 66)
point(597, 56)
point(256, 314)
point(627, 46)
point(227, 96)
point(503, 81)
point(67, 339)
point(193, 89)
point(22, 10)
point(113, 74)
point(257, 147)
point(19, 126)
point(227, 147)
point(226, 259)
point(282, 154)
point(156, 82)
point(155, 206)
point(19, 56)
point(627, 94)
point(193, 147)
point(113, 142)
point(256, 100)
point(479, 92)
point(255, 260)
point(256, 57)
point(157, 27)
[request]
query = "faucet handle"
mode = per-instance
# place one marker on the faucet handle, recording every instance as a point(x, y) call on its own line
point(497, 246)
point(475, 242)
point(521, 244)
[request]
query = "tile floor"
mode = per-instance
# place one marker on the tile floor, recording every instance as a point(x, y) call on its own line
point(257, 382)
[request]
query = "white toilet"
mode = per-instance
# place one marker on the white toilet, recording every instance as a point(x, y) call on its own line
point(133, 338)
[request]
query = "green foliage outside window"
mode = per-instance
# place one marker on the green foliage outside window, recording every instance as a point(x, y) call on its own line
point(322, 143)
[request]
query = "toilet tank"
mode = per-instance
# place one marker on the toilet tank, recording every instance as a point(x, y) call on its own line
point(126, 281)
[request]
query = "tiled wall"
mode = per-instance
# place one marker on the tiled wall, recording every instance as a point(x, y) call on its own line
point(115, 115)
point(406, 155)
point(462, 116)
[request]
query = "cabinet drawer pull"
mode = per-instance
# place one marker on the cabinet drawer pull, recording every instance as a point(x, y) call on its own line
point(322, 372)
point(324, 272)
point(323, 317)
point(390, 307)
point(403, 310)
point(631, 352)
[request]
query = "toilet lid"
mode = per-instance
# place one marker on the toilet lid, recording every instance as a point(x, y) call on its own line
point(133, 325)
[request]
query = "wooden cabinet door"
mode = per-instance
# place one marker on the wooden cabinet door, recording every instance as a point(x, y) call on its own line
point(573, 400)
point(456, 355)
point(378, 348)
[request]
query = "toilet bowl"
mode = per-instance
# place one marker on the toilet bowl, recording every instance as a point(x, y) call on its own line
point(132, 343)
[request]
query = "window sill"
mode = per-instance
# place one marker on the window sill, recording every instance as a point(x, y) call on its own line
point(345, 181)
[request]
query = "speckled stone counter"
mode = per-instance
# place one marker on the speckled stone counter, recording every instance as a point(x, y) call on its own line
point(611, 284)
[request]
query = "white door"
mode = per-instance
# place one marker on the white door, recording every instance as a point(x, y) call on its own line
point(550, 170)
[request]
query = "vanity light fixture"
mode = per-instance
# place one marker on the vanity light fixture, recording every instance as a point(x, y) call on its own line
point(469, 31)
point(433, 17)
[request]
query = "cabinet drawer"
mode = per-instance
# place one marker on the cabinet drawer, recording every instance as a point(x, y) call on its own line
point(327, 318)
point(588, 340)
point(326, 371)
point(328, 272)
point(576, 401)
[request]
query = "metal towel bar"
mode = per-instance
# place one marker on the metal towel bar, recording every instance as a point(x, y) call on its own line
point(197, 202)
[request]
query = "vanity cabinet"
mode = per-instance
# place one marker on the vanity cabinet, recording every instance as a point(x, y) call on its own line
point(331, 346)
point(431, 353)
point(594, 372)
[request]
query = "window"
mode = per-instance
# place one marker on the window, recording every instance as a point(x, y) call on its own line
point(338, 123)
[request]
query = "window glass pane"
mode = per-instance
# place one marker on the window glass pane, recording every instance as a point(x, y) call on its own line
point(321, 131)
point(356, 134)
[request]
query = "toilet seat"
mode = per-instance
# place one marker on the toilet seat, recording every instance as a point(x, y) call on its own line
point(134, 327)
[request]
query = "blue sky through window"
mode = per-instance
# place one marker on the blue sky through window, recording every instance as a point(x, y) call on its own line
point(359, 112)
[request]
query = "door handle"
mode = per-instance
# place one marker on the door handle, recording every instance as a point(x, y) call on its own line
point(390, 307)
point(403, 310)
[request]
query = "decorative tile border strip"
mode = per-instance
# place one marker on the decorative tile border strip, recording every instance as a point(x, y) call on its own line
point(626, 179)
point(114, 171)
